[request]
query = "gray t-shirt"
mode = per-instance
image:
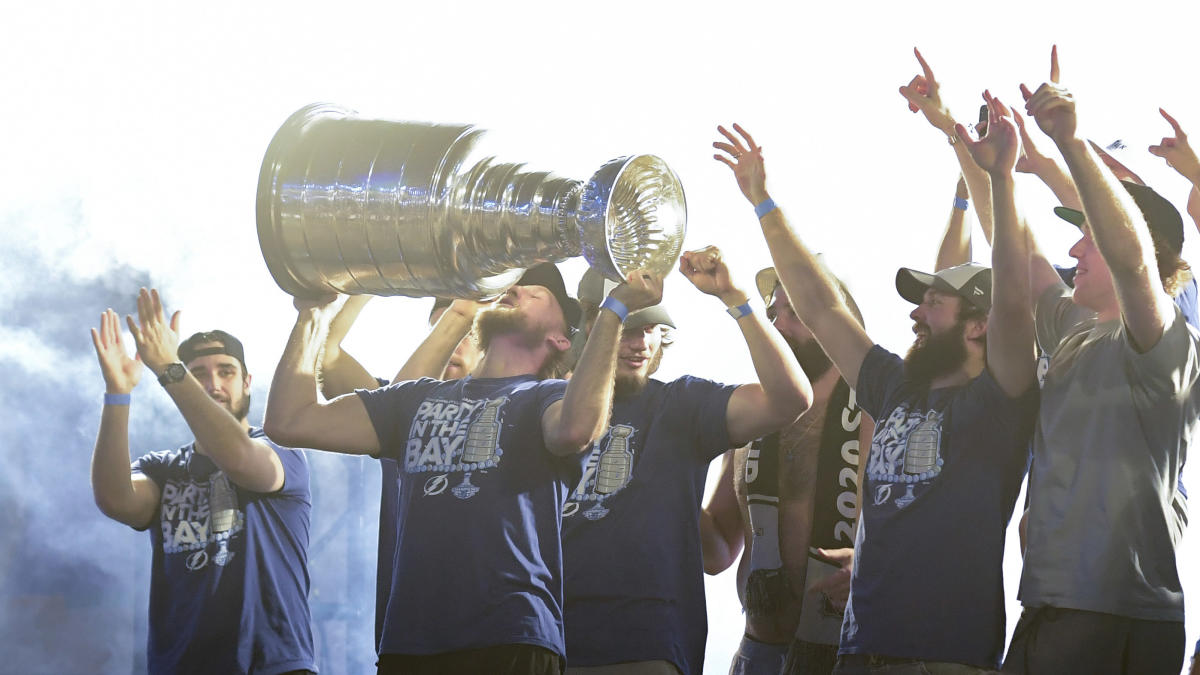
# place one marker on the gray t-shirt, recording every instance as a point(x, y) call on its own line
point(1105, 512)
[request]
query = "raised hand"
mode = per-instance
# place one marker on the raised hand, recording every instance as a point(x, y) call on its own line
point(157, 341)
point(1030, 160)
point(642, 289)
point(707, 271)
point(746, 161)
point(328, 303)
point(121, 373)
point(1177, 151)
point(923, 95)
point(1052, 106)
point(836, 586)
point(996, 152)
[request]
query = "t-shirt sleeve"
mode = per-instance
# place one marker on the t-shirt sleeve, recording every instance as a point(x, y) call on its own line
point(295, 468)
point(152, 465)
point(1171, 365)
point(879, 378)
point(1055, 314)
point(390, 407)
point(549, 393)
point(705, 405)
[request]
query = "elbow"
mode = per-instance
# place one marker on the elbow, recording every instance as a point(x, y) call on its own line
point(280, 430)
point(787, 406)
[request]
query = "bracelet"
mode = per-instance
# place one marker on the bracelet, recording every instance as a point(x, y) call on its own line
point(616, 307)
point(739, 311)
point(764, 207)
point(117, 399)
point(960, 203)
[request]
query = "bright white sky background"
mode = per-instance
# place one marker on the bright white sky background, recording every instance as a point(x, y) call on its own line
point(148, 124)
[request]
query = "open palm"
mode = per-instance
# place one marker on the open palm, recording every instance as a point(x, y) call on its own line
point(121, 373)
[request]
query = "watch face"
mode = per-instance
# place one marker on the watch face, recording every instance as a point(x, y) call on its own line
point(175, 372)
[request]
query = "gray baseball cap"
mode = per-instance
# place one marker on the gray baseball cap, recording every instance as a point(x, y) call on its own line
point(971, 282)
point(594, 287)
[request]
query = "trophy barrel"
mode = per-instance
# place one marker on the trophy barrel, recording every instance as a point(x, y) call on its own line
point(383, 207)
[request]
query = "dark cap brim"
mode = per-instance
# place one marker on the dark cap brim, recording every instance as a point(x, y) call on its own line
point(656, 315)
point(911, 284)
point(1072, 216)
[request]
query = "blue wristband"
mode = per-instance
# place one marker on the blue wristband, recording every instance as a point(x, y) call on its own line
point(739, 311)
point(616, 307)
point(764, 207)
point(960, 203)
point(117, 399)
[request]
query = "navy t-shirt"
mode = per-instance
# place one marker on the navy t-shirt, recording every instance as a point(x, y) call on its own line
point(229, 578)
point(631, 529)
point(942, 478)
point(478, 556)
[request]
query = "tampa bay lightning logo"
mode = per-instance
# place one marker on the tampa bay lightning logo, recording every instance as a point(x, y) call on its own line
point(570, 509)
point(436, 485)
point(197, 561)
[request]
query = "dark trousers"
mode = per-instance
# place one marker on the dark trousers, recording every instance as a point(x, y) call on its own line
point(810, 658)
point(498, 660)
point(1055, 641)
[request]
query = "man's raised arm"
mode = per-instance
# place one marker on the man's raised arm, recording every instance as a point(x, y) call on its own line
point(814, 295)
point(569, 425)
point(923, 94)
point(1010, 353)
point(1180, 156)
point(783, 391)
point(1112, 218)
point(341, 373)
point(125, 497)
point(295, 416)
point(250, 463)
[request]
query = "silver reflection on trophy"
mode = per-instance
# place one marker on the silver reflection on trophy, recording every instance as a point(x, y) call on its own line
point(382, 207)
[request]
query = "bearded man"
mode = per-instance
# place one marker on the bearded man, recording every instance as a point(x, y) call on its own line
point(228, 514)
point(634, 577)
point(790, 499)
point(953, 422)
point(485, 462)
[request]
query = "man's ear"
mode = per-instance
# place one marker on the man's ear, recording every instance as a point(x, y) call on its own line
point(246, 382)
point(975, 329)
point(558, 341)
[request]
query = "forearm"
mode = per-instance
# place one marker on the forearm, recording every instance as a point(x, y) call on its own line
point(294, 387)
point(1010, 324)
point(978, 186)
point(787, 389)
point(956, 242)
point(112, 485)
point(812, 293)
point(220, 435)
point(434, 352)
point(1060, 183)
point(721, 536)
point(1193, 205)
point(587, 403)
point(1110, 211)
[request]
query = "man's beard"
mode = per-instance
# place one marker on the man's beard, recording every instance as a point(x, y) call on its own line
point(631, 385)
point(498, 321)
point(242, 408)
point(812, 359)
point(936, 355)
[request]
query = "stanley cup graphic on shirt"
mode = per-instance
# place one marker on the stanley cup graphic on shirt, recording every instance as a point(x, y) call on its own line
point(615, 462)
point(921, 454)
point(483, 436)
point(223, 510)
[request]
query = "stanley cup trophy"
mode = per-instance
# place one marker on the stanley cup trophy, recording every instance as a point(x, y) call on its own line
point(382, 207)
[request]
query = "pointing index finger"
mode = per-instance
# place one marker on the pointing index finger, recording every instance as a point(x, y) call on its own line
point(1174, 125)
point(925, 67)
point(1054, 72)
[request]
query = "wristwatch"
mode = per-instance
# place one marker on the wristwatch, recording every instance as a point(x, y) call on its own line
point(175, 372)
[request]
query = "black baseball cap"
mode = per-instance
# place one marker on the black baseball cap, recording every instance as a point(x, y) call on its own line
point(189, 348)
point(971, 282)
point(547, 275)
point(1161, 216)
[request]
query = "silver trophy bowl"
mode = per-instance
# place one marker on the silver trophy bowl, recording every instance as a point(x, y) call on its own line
point(382, 207)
